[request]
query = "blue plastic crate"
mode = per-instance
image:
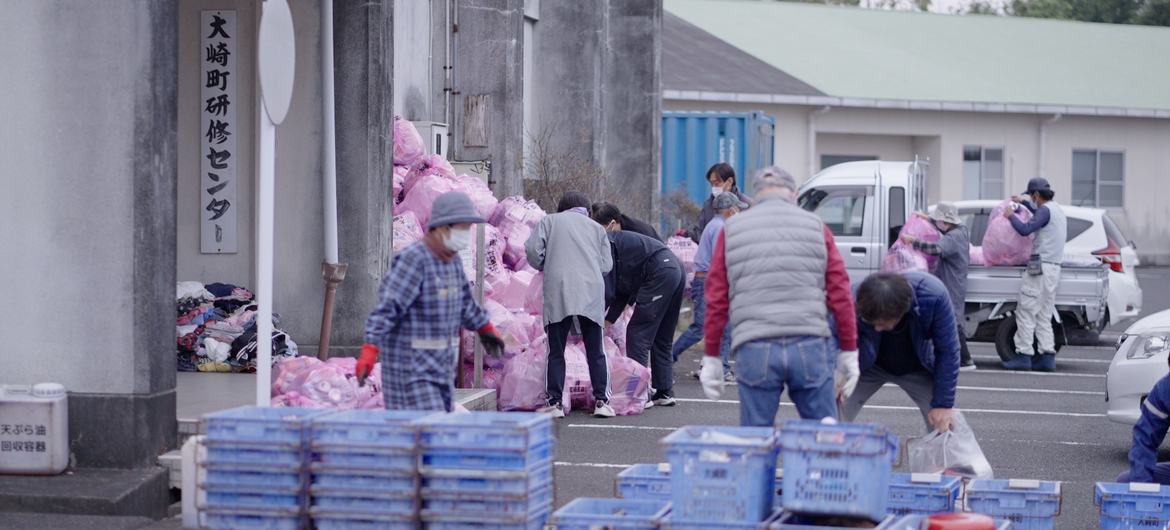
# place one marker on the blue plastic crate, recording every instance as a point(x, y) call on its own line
point(722, 474)
point(839, 469)
point(644, 482)
point(915, 522)
point(485, 482)
point(1133, 506)
point(531, 521)
point(219, 497)
point(617, 514)
point(1028, 504)
point(254, 454)
point(366, 481)
point(478, 459)
point(260, 424)
point(485, 430)
point(350, 501)
point(923, 493)
point(671, 522)
point(230, 476)
point(365, 459)
point(479, 504)
point(324, 520)
point(214, 519)
point(793, 521)
point(373, 428)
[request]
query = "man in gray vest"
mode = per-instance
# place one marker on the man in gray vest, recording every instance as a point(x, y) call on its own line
point(954, 262)
point(777, 272)
point(1038, 292)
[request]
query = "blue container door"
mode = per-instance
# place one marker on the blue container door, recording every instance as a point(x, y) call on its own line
point(694, 141)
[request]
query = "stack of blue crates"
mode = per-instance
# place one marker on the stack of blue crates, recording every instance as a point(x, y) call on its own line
point(647, 482)
point(1028, 504)
point(619, 514)
point(841, 470)
point(365, 470)
point(721, 477)
point(923, 493)
point(254, 473)
point(486, 470)
point(1133, 506)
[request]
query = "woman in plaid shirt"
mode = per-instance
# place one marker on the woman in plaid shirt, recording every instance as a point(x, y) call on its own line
point(424, 300)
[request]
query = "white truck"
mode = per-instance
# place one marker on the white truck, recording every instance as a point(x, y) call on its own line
point(865, 205)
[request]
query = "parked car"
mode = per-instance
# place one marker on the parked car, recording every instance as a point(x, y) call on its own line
point(1091, 234)
point(1140, 362)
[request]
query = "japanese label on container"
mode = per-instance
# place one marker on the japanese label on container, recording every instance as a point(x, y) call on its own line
point(219, 159)
point(23, 438)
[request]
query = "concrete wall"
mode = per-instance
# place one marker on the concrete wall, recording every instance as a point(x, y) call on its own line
point(941, 136)
point(90, 223)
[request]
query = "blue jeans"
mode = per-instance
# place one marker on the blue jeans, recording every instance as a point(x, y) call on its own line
point(803, 363)
point(694, 333)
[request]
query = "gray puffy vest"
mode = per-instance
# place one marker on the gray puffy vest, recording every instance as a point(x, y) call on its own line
point(776, 261)
point(1049, 242)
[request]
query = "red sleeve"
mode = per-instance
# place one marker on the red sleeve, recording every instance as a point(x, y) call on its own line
point(715, 293)
point(838, 294)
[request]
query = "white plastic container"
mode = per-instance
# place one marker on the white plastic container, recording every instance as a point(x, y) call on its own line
point(34, 429)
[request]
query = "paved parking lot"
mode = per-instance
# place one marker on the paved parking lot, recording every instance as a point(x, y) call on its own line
point(1030, 425)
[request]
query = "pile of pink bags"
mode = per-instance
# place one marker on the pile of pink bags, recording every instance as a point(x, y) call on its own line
point(513, 297)
point(685, 250)
point(1002, 245)
point(902, 256)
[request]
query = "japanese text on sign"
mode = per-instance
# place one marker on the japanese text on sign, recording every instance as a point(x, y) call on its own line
point(219, 159)
point(22, 431)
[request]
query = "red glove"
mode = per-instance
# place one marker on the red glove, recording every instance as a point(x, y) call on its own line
point(366, 362)
point(492, 343)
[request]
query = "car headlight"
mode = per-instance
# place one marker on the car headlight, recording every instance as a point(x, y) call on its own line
point(1148, 345)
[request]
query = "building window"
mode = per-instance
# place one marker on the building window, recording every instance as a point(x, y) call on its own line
point(1098, 178)
point(832, 160)
point(982, 172)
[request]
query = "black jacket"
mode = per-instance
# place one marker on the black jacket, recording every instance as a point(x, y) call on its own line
point(638, 226)
point(632, 265)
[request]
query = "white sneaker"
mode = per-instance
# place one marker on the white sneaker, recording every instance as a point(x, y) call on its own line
point(603, 410)
point(667, 401)
point(555, 412)
point(649, 404)
point(967, 367)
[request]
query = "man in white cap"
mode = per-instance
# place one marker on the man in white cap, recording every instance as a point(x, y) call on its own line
point(423, 302)
point(954, 260)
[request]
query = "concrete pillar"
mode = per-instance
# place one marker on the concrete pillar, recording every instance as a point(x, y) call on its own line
point(364, 52)
point(89, 238)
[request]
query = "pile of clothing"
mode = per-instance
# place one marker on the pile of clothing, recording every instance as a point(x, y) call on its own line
point(216, 329)
point(512, 291)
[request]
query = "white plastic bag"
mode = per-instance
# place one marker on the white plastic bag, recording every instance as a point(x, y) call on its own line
point(955, 452)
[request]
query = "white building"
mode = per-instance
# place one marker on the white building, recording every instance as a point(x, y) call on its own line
point(991, 101)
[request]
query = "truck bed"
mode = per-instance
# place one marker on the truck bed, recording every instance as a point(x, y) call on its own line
point(1084, 287)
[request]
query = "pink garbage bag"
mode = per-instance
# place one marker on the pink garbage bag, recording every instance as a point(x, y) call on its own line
point(421, 197)
point(629, 384)
point(495, 273)
point(406, 229)
point(289, 374)
point(515, 236)
point(617, 331)
point(522, 384)
point(369, 395)
point(922, 230)
point(429, 166)
point(977, 256)
point(578, 389)
point(534, 301)
point(1002, 245)
point(902, 258)
point(398, 181)
point(514, 293)
point(408, 144)
point(481, 196)
point(491, 376)
point(517, 210)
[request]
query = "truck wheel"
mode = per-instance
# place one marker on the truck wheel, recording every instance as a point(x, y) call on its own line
point(1005, 338)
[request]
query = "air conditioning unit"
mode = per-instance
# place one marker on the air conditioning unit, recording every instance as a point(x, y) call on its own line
point(435, 137)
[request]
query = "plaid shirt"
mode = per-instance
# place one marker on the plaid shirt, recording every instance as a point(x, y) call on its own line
point(422, 304)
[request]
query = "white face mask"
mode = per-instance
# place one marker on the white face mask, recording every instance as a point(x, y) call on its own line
point(458, 239)
point(716, 190)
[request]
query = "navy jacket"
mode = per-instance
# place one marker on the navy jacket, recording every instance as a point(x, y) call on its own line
point(639, 226)
point(631, 267)
point(935, 335)
point(1149, 432)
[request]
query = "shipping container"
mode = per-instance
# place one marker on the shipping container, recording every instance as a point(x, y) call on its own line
point(694, 141)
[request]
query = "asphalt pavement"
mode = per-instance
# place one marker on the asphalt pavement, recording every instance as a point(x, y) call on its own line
point(1029, 425)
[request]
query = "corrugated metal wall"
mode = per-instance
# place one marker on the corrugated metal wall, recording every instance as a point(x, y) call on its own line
point(694, 141)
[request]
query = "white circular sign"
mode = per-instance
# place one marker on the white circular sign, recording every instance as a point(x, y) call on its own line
point(277, 58)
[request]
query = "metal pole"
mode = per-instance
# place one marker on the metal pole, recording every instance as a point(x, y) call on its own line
point(480, 260)
point(331, 271)
point(264, 235)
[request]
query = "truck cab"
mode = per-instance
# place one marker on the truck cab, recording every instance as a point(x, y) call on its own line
point(865, 204)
